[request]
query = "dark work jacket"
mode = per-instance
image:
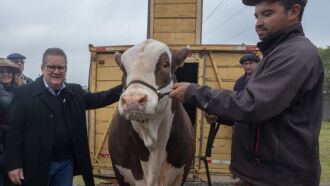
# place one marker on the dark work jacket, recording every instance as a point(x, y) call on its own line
point(275, 141)
point(31, 125)
point(240, 83)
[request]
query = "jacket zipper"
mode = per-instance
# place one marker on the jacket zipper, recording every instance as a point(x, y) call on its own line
point(257, 145)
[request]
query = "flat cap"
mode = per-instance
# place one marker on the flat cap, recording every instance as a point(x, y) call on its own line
point(15, 56)
point(249, 57)
point(254, 2)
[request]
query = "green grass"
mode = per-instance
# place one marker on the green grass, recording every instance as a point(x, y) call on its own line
point(325, 152)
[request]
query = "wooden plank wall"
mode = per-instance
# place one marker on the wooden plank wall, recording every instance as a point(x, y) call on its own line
point(220, 70)
point(175, 21)
point(105, 74)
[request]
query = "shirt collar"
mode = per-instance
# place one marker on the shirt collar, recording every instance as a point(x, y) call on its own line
point(51, 90)
point(269, 44)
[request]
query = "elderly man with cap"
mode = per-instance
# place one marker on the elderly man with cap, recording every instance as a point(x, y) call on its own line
point(279, 112)
point(249, 63)
point(19, 59)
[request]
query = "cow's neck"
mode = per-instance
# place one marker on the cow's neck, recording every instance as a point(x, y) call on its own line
point(155, 132)
point(155, 135)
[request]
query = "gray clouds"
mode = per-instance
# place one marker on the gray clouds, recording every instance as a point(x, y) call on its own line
point(30, 27)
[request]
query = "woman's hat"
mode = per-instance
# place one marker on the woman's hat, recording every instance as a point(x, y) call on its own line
point(10, 65)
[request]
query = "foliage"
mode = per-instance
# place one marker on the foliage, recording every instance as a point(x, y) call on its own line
point(325, 152)
point(325, 55)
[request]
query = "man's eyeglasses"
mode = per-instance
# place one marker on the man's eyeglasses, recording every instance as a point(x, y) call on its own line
point(5, 71)
point(52, 68)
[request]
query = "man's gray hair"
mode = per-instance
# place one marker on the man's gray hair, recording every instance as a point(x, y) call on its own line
point(52, 51)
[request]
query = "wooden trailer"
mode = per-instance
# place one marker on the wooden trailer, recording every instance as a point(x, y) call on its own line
point(178, 24)
point(214, 65)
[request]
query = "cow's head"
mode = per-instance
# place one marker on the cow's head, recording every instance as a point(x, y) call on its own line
point(148, 74)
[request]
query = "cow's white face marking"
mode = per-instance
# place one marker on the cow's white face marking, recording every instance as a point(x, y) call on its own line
point(140, 64)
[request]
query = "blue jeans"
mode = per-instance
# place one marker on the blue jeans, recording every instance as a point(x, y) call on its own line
point(61, 173)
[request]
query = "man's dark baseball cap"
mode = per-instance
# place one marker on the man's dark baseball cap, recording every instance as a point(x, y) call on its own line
point(254, 2)
point(15, 56)
point(249, 57)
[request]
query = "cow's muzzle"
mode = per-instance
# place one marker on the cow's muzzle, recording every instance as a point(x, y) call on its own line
point(135, 106)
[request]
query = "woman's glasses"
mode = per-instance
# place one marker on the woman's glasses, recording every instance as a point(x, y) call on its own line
point(5, 71)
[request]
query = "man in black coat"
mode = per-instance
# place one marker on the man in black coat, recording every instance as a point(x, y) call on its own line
point(279, 112)
point(47, 136)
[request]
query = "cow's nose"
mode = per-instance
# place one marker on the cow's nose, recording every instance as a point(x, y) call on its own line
point(134, 101)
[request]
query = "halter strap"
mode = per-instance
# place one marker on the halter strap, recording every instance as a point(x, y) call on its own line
point(156, 90)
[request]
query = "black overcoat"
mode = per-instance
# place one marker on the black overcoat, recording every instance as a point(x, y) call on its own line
point(31, 124)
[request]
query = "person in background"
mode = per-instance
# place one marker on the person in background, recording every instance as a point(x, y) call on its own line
point(249, 63)
point(19, 59)
point(47, 140)
point(278, 114)
point(8, 70)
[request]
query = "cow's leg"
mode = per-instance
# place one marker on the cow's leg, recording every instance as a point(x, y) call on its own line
point(129, 178)
point(170, 176)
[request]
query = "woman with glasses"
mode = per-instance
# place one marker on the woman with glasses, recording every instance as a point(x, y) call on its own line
point(8, 71)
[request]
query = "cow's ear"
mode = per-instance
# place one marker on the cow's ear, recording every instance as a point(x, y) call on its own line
point(118, 58)
point(179, 57)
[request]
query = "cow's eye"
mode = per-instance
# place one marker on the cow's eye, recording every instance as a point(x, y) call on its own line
point(166, 65)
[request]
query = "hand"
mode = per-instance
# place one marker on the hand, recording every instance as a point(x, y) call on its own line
point(16, 176)
point(210, 118)
point(179, 90)
point(18, 80)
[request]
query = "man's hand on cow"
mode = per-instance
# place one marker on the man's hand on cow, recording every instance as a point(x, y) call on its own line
point(16, 176)
point(179, 90)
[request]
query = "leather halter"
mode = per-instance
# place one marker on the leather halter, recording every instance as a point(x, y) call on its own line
point(156, 90)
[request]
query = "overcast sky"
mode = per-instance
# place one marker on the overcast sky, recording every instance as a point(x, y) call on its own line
point(30, 27)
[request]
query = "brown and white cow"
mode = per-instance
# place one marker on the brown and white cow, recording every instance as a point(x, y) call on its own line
point(151, 141)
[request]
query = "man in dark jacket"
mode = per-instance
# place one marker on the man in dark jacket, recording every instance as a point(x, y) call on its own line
point(249, 63)
point(47, 136)
point(275, 141)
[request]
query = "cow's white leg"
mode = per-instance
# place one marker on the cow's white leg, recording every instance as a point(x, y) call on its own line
point(171, 176)
point(129, 178)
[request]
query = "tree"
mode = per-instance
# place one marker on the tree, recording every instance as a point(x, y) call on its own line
point(325, 55)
